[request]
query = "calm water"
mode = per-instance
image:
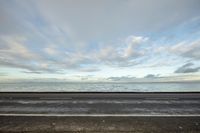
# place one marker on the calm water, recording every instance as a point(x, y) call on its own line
point(98, 87)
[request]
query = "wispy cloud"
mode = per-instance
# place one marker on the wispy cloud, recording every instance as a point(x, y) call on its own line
point(3, 74)
point(187, 49)
point(94, 69)
point(122, 79)
point(122, 53)
point(17, 54)
point(61, 37)
point(151, 76)
point(187, 68)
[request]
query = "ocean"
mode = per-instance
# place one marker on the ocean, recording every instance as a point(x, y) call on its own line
point(99, 87)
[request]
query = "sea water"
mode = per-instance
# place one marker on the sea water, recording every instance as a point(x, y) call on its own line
point(99, 87)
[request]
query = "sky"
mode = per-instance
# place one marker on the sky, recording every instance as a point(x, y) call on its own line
point(109, 40)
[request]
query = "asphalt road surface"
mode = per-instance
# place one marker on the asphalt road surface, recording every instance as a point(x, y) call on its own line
point(100, 104)
point(100, 112)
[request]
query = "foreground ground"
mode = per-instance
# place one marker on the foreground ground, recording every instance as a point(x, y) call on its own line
point(100, 124)
point(100, 112)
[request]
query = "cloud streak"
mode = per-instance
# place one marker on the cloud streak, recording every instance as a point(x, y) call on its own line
point(187, 68)
point(3, 74)
point(187, 49)
point(103, 38)
point(151, 76)
point(17, 55)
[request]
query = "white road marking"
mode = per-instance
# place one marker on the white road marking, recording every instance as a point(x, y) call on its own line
point(105, 115)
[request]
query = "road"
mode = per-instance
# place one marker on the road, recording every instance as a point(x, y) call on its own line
point(100, 112)
point(100, 104)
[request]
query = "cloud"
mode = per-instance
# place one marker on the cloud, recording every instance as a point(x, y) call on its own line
point(50, 45)
point(89, 69)
point(91, 20)
point(187, 49)
point(3, 74)
point(32, 68)
point(122, 78)
point(123, 53)
point(16, 54)
point(132, 45)
point(187, 68)
point(14, 46)
point(31, 72)
point(51, 50)
point(151, 76)
point(54, 37)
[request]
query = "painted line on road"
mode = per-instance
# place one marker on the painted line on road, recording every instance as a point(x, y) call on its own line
point(54, 98)
point(105, 115)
